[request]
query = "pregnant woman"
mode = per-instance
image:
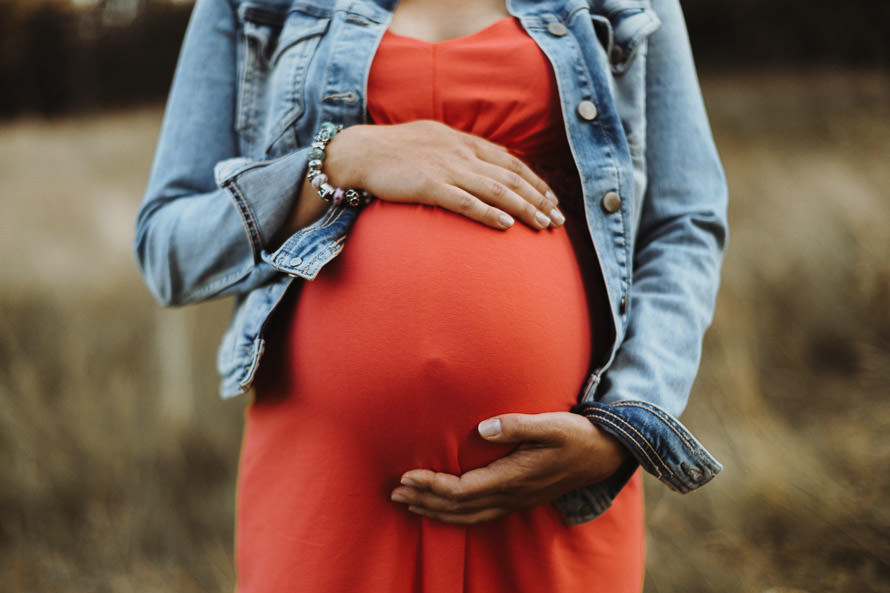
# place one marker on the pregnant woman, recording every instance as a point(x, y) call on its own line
point(454, 384)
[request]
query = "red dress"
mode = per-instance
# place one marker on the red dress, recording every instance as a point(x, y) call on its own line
point(426, 324)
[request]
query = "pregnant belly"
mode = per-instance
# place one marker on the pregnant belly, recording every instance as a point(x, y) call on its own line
point(426, 324)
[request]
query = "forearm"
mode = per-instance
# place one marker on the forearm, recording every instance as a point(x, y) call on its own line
point(209, 215)
point(682, 233)
point(340, 168)
point(677, 256)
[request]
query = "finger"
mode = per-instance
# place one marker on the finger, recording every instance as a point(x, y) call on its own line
point(473, 484)
point(489, 480)
point(428, 500)
point(518, 472)
point(423, 479)
point(548, 428)
point(460, 519)
point(462, 202)
point(525, 191)
point(494, 193)
point(497, 155)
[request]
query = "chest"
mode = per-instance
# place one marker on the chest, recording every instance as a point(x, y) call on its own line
point(439, 20)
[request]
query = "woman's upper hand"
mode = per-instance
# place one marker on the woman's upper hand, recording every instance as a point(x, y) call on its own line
point(430, 163)
point(559, 452)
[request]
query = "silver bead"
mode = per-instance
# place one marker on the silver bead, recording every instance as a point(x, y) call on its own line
point(319, 180)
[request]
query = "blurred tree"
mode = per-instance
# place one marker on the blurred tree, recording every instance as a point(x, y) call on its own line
point(32, 65)
point(56, 56)
point(758, 33)
point(64, 55)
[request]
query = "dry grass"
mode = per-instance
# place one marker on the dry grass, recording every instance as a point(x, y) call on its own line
point(797, 365)
point(117, 461)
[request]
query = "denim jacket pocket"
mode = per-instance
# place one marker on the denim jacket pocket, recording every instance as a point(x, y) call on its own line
point(622, 27)
point(277, 49)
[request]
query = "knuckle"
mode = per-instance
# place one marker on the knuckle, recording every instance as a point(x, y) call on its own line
point(515, 165)
point(463, 152)
point(519, 485)
point(529, 211)
point(451, 506)
point(425, 182)
point(465, 204)
point(497, 190)
point(457, 495)
point(440, 485)
point(513, 180)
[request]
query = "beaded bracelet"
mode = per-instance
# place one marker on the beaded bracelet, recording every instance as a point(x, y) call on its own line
point(327, 192)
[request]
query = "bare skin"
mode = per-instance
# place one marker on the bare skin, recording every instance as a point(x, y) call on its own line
point(558, 452)
point(430, 163)
point(445, 19)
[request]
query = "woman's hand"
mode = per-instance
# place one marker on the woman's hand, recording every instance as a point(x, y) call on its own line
point(427, 162)
point(559, 452)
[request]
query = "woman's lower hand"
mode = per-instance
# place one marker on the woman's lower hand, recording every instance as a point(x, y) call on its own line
point(430, 163)
point(558, 452)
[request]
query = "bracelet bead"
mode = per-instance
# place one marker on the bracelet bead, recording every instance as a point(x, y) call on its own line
point(319, 181)
point(328, 130)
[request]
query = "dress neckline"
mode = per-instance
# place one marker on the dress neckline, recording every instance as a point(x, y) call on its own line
point(463, 38)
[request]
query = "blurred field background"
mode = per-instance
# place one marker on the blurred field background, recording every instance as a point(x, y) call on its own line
point(118, 461)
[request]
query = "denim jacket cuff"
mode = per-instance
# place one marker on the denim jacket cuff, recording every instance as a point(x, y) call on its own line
point(263, 192)
point(588, 503)
point(658, 442)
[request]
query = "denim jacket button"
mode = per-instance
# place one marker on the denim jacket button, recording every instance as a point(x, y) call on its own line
point(616, 54)
point(587, 110)
point(611, 202)
point(296, 261)
point(557, 29)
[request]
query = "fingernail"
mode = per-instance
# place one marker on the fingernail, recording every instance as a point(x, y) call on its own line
point(490, 428)
point(505, 220)
point(557, 217)
point(398, 497)
point(542, 220)
point(409, 482)
point(549, 195)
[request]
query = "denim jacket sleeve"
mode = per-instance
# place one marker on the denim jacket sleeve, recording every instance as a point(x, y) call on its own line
point(208, 214)
point(677, 257)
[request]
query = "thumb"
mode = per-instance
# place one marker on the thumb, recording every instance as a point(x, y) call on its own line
point(516, 428)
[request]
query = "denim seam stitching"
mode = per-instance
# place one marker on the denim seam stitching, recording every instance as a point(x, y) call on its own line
point(634, 441)
point(661, 415)
point(642, 438)
point(330, 217)
point(247, 217)
point(333, 250)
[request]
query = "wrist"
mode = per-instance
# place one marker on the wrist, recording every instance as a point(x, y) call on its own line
point(344, 152)
point(607, 453)
point(317, 171)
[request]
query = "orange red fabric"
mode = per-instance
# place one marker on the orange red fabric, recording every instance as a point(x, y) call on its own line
point(426, 324)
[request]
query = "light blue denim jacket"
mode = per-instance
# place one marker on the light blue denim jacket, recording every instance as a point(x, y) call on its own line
point(257, 77)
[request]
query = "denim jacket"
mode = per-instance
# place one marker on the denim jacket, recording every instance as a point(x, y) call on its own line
point(257, 77)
